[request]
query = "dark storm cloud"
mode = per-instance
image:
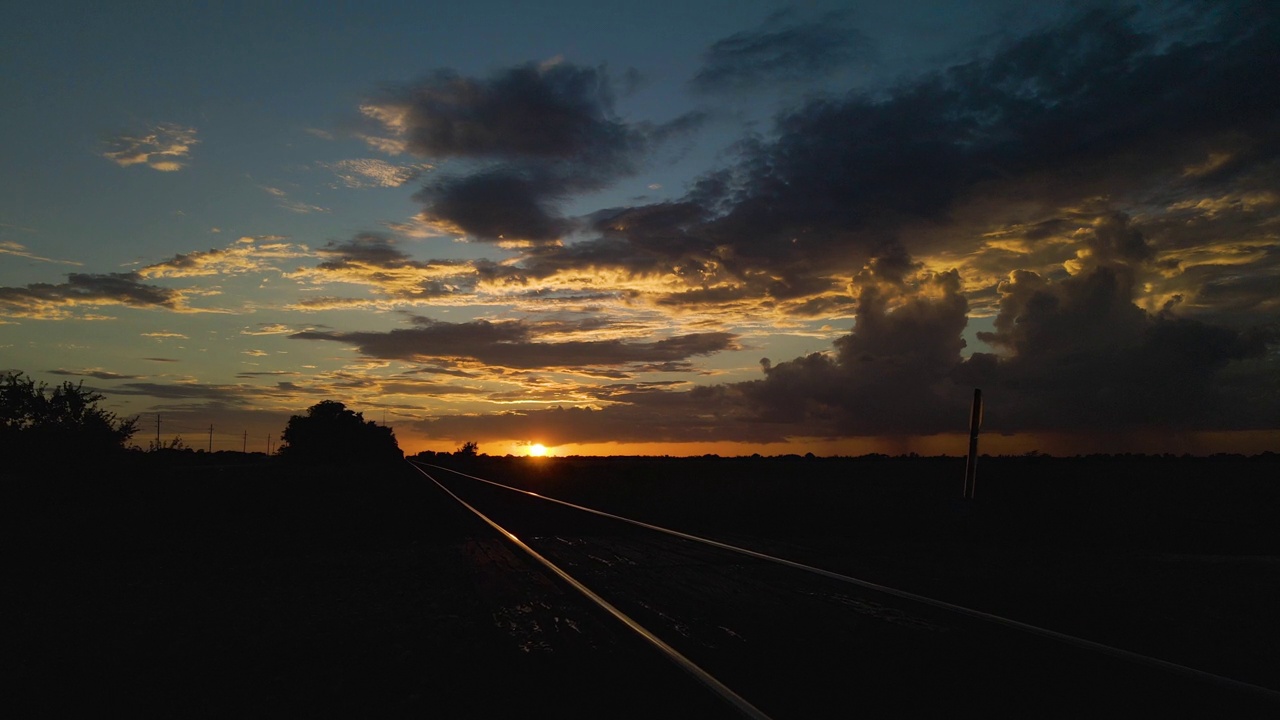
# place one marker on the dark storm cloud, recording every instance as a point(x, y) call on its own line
point(1097, 98)
point(512, 344)
point(1097, 106)
point(537, 134)
point(561, 111)
point(498, 204)
point(778, 52)
point(1081, 355)
point(50, 301)
point(1120, 146)
point(890, 375)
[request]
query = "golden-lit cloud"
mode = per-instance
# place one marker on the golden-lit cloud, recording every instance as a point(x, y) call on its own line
point(246, 255)
point(164, 147)
point(370, 172)
point(268, 329)
point(1247, 201)
point(83, 292)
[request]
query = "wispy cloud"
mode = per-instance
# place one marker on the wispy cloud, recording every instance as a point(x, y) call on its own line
point(782, 50)
point(94, 373)
point(297, 206)
point(8, 247)
point(164, 147)
point(248, 254)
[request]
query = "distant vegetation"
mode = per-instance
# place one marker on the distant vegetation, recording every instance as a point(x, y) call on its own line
point(38, 423)
point(330, 433)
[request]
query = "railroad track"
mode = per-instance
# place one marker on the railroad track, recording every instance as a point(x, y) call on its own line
point(776, 638)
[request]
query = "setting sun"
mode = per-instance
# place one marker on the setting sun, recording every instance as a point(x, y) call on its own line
point(537, 450)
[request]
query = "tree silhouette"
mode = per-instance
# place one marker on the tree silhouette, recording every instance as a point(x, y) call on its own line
point(469, 449)
point(331, 433)
point(36, 422)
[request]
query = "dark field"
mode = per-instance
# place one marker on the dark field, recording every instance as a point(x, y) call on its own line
point(255, 589)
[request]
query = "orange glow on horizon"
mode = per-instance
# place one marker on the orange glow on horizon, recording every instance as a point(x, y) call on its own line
point(1244, 442)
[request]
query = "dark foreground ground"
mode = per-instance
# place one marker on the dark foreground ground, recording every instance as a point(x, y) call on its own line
point(257, 590)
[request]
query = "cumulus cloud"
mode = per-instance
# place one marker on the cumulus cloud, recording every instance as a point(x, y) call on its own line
point(1101, 192)
point(533, 135)
point(164, 147)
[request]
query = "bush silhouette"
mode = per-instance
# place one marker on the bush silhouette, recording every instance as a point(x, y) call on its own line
point(37, 424)
point(330, 433)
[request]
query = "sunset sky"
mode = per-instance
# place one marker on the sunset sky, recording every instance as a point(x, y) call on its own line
point(652, 227)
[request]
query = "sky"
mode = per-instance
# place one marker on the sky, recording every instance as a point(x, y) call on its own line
point(666, 228)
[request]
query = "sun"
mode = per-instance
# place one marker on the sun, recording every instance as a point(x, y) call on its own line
point(537, 450)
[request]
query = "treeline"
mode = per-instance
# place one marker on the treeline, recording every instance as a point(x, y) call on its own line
point(46, 426)
point(39, 423)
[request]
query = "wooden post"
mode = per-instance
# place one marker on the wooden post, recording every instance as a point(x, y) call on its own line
point(971, 465)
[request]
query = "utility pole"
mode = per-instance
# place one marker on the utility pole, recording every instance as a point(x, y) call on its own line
point(244, 447)
point(971, 465)
point(210, 438)
point(157, 430)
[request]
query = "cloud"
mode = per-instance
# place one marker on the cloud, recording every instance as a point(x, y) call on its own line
point(245, 256)
point(496, 205)
point(1082, 356)
point(373, 260)
point(291, 205)
point(268, 329)
point(8, 247)
point(512, 344)
point(561, 111)
point(96, 374)
point(532, 135)
point(890, 375)
point(164, 147)
point(781, 53)
point(46, 301)
point(1000, 163)
point(370, 172)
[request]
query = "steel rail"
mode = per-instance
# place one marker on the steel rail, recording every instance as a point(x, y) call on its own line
point(1109, 650)
point(725, 693)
